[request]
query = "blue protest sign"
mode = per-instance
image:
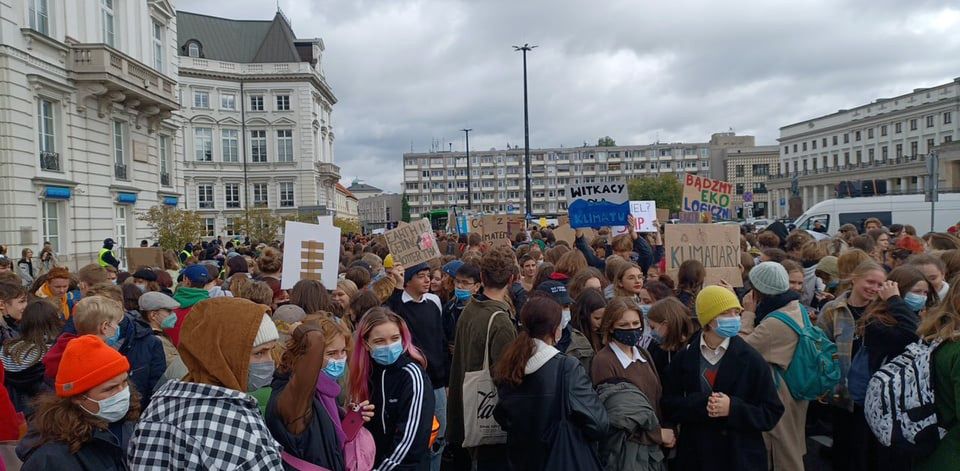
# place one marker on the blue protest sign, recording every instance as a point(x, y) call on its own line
point(598, 205)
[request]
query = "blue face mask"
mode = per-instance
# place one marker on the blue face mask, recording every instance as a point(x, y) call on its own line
point(387, 355)
point(915, 301)
point(833, 284)
point(645, 310)
point(462, 294)
point(335, 368)
point(114, 340)
point(656, 336)
point(728, 326)
point(169, 322)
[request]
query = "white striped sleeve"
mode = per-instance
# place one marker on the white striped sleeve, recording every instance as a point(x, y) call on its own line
point(413, 420)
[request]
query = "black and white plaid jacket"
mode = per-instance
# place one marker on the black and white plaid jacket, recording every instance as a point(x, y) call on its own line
point(202, 427)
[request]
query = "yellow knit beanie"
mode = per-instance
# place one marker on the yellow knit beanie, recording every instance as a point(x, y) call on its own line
point(714, 300)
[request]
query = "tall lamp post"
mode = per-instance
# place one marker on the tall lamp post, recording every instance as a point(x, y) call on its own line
point(469, 189)
point(526, 130)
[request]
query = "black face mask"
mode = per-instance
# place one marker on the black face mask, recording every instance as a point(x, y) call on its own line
point(629, 337)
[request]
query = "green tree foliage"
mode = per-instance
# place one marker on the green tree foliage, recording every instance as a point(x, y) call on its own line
point(665, 189)
point(347, 226)
point(173, 228)
point(260, 224)
point(606, 141)
point(404, 209)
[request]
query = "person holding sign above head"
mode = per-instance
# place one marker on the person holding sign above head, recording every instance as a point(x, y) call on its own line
point(629, 246)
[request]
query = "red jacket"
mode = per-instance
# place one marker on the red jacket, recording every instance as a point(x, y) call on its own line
point(10, 420)
point(51, 361)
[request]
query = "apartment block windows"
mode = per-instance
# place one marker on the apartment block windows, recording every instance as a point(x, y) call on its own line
point(260, 197)
point(739, 170)
point(201, 99)
point(283, 102)
point(285, 145)
point(205, 196)
point(39, 16)
point(256, 102)
point(158, 55)
point(258, 146)
point(228, 101)
point(761, 170)
point(286, 194)
point(203, 144)
point(107, 15)
point(229, 140)
point(47, 136)
point(232, 195)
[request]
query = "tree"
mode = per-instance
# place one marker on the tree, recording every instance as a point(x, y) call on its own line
point(260, 225)
point(173, 228)
point(665, 189)
point(404, 209)
point(347, 226)
point(606, 141)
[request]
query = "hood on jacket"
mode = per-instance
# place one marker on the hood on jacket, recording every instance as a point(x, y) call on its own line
point(219, 292)
point(216, 341)
point(627, 406)
point(542, 353)
point(187, 297)
point(780, 230)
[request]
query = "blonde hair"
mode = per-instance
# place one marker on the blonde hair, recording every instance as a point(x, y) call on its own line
point(93, 311)
point(943, 322)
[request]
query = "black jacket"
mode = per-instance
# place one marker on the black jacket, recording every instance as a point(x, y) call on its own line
point(731, 443)
point(102, 453)
point(527, 411)
point(403, 397)
point(318, 443)
point(885, 342)
point(425, 320)
point(644, 253)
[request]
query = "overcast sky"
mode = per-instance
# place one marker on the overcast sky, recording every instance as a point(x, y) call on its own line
point(410, 71)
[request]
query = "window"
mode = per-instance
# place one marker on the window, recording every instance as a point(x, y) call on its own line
point(165, 162)
point(761, 169)
point(883, 130)
point(231, 227)
point(209, 227)
point(884, 153)
point(203, 144)
point(870, 133)
point(256, 103)
point(859, 156)
point(229, 140)
point(51, 223)
point(759, 187)
point(930, 121)
point(228, 101)
point(856, 136)
point(286, 194)
point(119, 156)
point(258, 146)
point(285, 145)
point(898, 128)
point(106, 18)
point(193, 49)
point(786, 149)
point(260, 197)
point(871, 153)
point(794, 148)
point(46, 136)
point(913, 124)
point(947, 139)
point(120, 229)
point(231, 192)
point(740, 188)
point(205, 196)
point(39, 16)
point(283, 102)
point(930, 144)
point(846, 138)
point(913, 149)
point(739, 170)
point(158, 46)
point(201, 99)
point(834, 140)
point(899, 152)
point(813, 144)
point(804, 146)
point(824, 143)
point(947, 117)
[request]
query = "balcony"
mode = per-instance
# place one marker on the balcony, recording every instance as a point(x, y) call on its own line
point(110, 76)
point(205, 205)
point(326, 170)
point(120, 172)
point(50, 161)
point(164, 179)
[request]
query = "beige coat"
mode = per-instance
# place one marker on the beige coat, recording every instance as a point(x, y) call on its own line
point(786, 443)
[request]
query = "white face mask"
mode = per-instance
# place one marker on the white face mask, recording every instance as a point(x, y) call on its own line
point(113, 408)
point(564, 318)
point(942, 293)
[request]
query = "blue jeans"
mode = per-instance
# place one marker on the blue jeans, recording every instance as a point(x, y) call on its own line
point(440, 411)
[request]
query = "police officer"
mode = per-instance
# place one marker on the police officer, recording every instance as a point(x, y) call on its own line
point(105, 257)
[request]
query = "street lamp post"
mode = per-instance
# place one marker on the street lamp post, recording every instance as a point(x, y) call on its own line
point(526, 130)
point(469, 189)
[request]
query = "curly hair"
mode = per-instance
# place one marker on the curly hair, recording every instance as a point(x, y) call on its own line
point(61, 419)
point(497, 267)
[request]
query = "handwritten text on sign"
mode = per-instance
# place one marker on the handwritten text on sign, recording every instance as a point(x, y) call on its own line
point(703, 195)
point(717, 247)
point(412, 243)
point(598, 205)
point(645, 214)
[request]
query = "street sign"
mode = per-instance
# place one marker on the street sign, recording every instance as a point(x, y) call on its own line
point(748, 197)
point(783, 201)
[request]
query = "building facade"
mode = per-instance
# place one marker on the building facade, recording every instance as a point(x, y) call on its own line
point(380, 212)
point(88, 91)
point(439, 180)
point(362, 190)
point(346, 206)
point(748, 170)
point(884, 141)
point(257, 120)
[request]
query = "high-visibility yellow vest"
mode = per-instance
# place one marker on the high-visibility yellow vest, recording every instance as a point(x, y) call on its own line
point(100, 260)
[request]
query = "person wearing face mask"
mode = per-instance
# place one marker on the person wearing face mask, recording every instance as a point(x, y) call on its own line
point(302, 413)
point(933, 268)
point(387, 370)
point(720, 392)
point(498, 270)
point(577, 345)
point(621, 329)
point(670, 329)
point(534, 380)
point(156, 312)
point(209, 421)
point(466, 284)
point(145, 279)
point(87, 423)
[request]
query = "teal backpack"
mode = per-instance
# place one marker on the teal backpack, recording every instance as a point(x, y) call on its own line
point(814, 369)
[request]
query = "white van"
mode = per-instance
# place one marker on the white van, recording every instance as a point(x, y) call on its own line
point(900, 209)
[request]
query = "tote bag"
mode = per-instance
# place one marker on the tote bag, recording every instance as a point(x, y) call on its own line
point(568, 448)
point(479, 400)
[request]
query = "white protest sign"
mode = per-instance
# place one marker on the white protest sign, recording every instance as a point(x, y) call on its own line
point(311, 252)
point(645, 212)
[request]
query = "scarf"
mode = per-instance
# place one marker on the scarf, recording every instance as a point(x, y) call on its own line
point(44, 292)
point(327, 392)
point(772, 303)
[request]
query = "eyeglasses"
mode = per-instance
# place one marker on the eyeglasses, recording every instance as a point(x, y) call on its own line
point(463, 284)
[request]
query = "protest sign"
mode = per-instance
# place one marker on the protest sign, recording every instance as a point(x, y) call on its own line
point(494, 231)
point(144, 257)
point(311, 252)
point(412, 243)
point(716, 246)
point(645, 213)
point(598, 205)
point(703, 195)
point(663, 215)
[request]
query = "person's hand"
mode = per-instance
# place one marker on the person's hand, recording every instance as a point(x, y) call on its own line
point(724, 284)
point(824, 296)
point(631, 223)
point(750, 302)
point(398, 273)
point(718, 405)
point(889, 289)
point(668, 438)
point(578, 233)
point(812, 314)
point(366, 410)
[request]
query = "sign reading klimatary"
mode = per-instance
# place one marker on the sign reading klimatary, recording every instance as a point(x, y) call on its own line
point(598, 205)
point(716, 246)
point(311, 252)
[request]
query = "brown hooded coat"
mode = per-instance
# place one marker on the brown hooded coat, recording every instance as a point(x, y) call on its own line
point(216, 341)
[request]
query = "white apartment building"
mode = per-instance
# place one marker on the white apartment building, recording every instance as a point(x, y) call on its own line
point(87, 91)
point(437, 181)
point(257, 120)
point(886, 140)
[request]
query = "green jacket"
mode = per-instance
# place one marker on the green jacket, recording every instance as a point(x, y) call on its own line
point(630, 412)
point(187, 297)
point(580, 349)
point(946, 387)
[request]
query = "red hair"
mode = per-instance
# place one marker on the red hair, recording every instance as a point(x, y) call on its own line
point(360, 356)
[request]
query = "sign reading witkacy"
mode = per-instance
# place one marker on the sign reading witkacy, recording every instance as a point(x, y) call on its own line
point(716, 246)
point(412, 243)
point(598, 205)
point(311, 252)
point(645, 214)
point(703, 195)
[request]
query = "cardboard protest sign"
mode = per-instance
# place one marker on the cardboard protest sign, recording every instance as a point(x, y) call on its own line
point(645, 213)
point(716, 246)
point(144, 257)
point(561, 220)
point(703, 195)
point(412, 243)
point(598, 205)
point(663, 215)
point(565, 232)
point(311, 252)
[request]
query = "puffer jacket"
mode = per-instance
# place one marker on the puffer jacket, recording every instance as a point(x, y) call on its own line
point(102, 453)
point(145, 353)
point(629, 412)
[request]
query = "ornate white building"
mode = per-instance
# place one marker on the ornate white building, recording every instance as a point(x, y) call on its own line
point(257, 119)
point(87, 90)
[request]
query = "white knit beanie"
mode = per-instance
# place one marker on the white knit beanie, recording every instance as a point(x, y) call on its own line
point(770, 278)
point(267, 332)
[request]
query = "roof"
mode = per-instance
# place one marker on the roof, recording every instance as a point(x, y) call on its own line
point(241, 41)
point(360, 187)
point(345, 191)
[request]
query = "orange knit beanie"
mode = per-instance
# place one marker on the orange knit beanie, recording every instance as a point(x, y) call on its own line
point(88, 362)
